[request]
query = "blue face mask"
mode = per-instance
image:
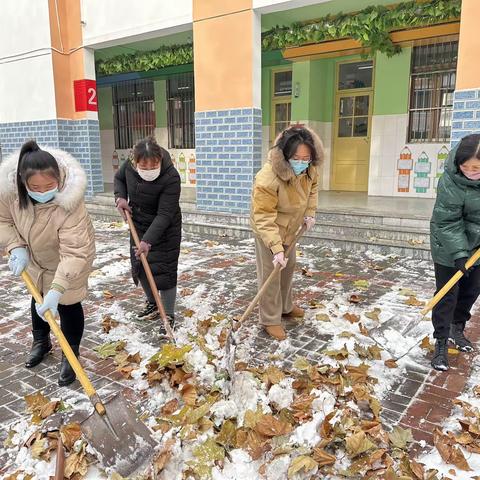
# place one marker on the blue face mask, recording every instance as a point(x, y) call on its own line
point(299, 166)
point(43, 197)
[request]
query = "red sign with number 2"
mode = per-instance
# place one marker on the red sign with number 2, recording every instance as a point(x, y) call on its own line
point(85, 95)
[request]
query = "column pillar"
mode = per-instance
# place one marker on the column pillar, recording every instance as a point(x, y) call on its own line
point(228, 117)
point(466, 106)
point(64, 125)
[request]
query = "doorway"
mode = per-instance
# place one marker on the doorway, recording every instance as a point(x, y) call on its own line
point(352, 126)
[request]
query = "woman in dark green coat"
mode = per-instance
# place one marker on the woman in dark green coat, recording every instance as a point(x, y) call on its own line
point(455, 235)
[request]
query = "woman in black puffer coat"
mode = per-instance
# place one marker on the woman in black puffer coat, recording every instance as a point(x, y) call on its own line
point(148, 187)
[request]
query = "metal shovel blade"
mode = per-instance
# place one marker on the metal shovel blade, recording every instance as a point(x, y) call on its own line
point(134, 447)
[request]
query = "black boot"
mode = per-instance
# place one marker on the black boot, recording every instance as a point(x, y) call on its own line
point(458, 338)
point(440, 356)
point(40, 347)
point(171, 321)
point(67, 375)
point(150, 312)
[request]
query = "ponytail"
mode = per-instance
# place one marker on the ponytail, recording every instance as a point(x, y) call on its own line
point(31, 160)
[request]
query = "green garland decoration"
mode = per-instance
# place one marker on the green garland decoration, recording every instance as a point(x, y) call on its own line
point(167, 56)
point(370, 26)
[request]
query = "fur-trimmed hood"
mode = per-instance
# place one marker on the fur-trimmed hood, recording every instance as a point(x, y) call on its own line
point(73, 178)
point(280, 165)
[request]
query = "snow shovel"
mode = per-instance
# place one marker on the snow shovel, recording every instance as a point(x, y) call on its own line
point(230, 344)
point(435, 300)
point(124, 443)
point(151, 280)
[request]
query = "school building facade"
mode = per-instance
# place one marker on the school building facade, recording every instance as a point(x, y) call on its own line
point(216, 81)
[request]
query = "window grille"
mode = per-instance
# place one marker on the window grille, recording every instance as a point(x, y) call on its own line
point(433, 76)
point(181, 108)
point(133, 112)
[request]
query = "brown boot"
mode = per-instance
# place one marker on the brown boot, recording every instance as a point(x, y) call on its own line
point(297, 312)
point(276, 331)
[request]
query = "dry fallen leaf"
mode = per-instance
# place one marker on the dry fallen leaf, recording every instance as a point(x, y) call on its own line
point(222, 337)
point(170, 407)
point(322, 317)
point(374, 314)
point(227, 434)
point(351, 317)
point(400, 437)
point(163, 456)
point(450, 453)
point(108, 295)
point(273, 375)
point(269, 426)
point(189, 394)
point(323, 458)
point(364, 284)
point(108, 323)
point(306, 272)
point(354, 298)
point(391, 363)
point(358, 443)
point(76, 463)
point(70, 434)
point(185, 292)
point(414, 302)
point(363, 330)
point(426, 344)
point(301, 463)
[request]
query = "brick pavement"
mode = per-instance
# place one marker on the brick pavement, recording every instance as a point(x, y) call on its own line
point(418, 399)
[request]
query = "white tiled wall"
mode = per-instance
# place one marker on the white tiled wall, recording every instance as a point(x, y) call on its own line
point(324, 131)
point(389, 134)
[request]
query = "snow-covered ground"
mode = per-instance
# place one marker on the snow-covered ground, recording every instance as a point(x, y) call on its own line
point(282, 415)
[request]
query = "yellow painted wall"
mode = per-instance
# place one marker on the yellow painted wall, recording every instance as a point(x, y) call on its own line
point(468, 69)
point(223, 52)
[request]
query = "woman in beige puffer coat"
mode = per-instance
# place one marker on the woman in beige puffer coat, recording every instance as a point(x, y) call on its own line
point(284, 197)
point(45, 228)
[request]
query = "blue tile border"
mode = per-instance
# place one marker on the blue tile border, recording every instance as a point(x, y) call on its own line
point(81, 138)
point(228, 159)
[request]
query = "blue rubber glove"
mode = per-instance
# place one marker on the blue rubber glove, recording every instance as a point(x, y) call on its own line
point(50, 302)
point(18, 260)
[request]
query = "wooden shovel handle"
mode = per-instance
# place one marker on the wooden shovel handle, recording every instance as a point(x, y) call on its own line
point(451, 283)
point(151, 280)
point(65, 346)
point(60, 463)
point(267, 282)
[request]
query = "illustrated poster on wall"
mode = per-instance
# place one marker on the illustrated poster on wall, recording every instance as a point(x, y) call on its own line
point(186, 168)
point(423, 167)
point(404, 167)
point(442, 156)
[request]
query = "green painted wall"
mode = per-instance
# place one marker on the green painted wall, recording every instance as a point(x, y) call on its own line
point(105, 109)
point(312, 12)
point(266, 95)
point(160, 92)
point(392, 83)
point(316, 90)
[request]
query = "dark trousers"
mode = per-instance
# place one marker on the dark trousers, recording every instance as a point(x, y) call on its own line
point(456, 304)
point(72, 322)
point(168, 297)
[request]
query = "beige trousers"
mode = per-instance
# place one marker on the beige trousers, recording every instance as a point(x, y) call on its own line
point(277, 299)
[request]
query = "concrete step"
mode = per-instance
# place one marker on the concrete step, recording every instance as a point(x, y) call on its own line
point(346, 230)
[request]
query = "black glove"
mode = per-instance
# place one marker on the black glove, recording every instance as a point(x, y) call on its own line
point(460, 265)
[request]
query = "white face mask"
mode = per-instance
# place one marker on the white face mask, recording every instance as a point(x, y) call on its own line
point(149, 175)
